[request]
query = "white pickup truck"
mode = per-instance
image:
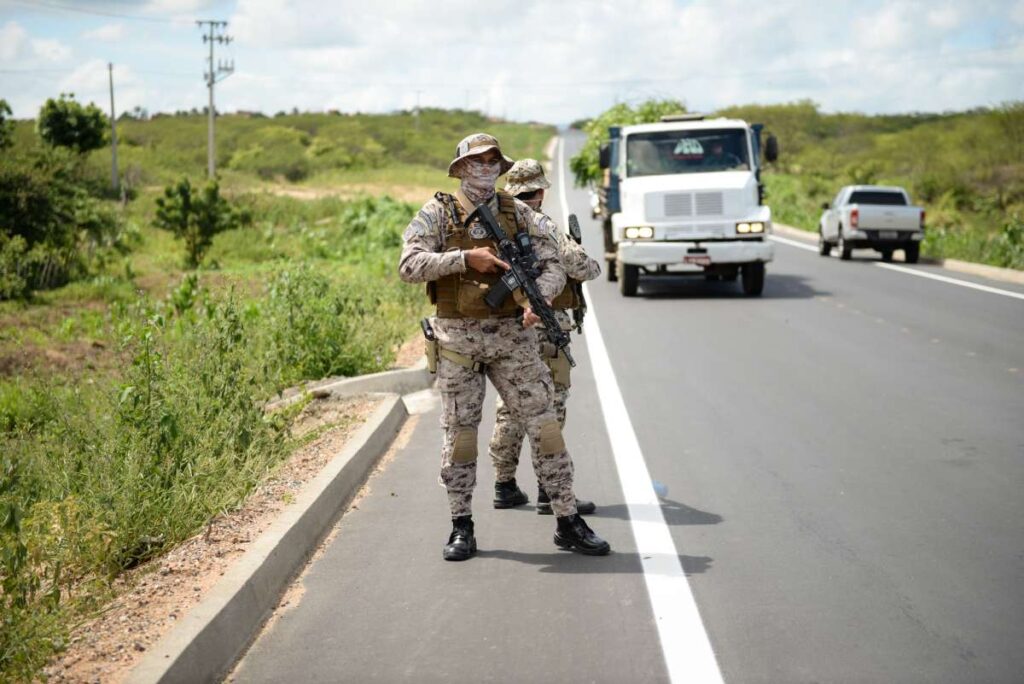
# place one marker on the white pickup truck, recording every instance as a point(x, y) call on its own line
point(873, 216)
point(684, 196)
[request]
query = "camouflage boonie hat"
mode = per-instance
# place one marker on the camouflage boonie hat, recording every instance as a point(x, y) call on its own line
point(526, 175)
point(475, 144)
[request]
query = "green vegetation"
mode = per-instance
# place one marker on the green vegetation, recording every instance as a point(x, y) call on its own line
point(6, 126)
point(965, 168)
point(196, 217)
point(66, 123)
point(131, 389)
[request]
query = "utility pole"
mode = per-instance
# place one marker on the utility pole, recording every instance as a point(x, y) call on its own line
point(113, 130)
point(222, 69)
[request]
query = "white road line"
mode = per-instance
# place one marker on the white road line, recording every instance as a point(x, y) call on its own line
point(794, 243)
point(684, 641)
point(914, 272)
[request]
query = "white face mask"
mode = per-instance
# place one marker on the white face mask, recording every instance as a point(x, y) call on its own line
point(479, 177)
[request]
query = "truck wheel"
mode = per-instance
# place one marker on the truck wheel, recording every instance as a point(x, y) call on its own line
point(911, 253)
point(753, 278)
point(629, 281)
point(824, 248)
point(610, 271)
point(886, 255)
point(845, 251)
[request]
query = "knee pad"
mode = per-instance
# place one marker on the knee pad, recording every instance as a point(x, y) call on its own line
point(464, 445)
point(551, 440)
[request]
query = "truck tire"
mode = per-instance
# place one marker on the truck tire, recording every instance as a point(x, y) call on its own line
point(824, 247)
point(629, 281)
point(911, 253)
point(845, 251)
point(886, 255)
point(610, 270)
point(753, 278)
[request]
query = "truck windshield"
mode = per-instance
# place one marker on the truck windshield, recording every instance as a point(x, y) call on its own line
point(877, 197)
point(694, 151)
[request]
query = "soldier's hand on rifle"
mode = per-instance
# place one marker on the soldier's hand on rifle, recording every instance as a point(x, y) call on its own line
point(529, 318)
point(483, 259)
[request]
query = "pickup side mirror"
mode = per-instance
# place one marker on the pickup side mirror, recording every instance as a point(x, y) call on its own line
point(826, 206)
point(604, 158)
point(771, 148)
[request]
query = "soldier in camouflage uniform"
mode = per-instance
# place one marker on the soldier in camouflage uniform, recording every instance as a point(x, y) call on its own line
point(526, 182)
point(458, 263)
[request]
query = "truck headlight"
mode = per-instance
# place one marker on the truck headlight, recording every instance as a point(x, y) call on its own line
point(750, 227)
point(639, 233)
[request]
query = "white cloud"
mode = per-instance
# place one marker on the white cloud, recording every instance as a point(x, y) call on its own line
point(18, 47)
point(556, 61)
point(108, 33)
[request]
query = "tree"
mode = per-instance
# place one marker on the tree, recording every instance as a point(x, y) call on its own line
point(196, 216)
point(585, 165)
point(6, 126)
point(66, 123)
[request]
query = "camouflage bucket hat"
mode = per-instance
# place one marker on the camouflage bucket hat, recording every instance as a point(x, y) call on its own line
point(526, 175)
point(475, 144)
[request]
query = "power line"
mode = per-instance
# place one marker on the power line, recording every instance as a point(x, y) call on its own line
point(99, 13)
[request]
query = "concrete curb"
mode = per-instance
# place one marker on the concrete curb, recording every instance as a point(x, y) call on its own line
point(400, 381)
point(206, 643)
point(1006, 275)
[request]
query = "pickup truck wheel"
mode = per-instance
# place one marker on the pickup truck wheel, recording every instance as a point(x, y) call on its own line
point(886, 255)
point(824, 248)
point(911, 253)
point(610, 271)
point(629, 280)
point(845, 251)
point(753, 278)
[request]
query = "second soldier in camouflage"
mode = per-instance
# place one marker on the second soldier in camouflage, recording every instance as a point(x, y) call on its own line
point(526, 181)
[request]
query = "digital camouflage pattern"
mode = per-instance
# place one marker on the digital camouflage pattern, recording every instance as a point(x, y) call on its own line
point(472, 145)
point(507, 439)
point(524, 383)
point(424, 257)
point(526, 175)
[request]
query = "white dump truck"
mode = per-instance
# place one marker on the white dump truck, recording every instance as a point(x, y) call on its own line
point(684, 196)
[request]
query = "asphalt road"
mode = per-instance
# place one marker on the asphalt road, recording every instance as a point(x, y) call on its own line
point(842, 462)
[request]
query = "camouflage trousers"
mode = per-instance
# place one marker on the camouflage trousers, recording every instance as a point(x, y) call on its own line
point(507, 439)
point(509, 357)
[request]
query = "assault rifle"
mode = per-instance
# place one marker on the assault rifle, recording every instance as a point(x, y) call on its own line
point(580, 311)
point(522, 274)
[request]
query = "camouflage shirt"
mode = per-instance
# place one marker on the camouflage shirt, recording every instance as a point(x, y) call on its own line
point(424, 257)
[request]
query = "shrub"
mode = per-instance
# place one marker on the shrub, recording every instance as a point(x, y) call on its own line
point(6, 126)
point(275, 151)
point(196, 217)
point(66, 123)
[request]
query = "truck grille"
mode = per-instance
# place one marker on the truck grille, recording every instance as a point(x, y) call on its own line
point(709, 204)
point(679, 204)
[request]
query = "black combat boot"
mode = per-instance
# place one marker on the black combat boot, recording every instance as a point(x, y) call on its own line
point(461, 544)
point(544, 504)
point(508, 494)
point(574, 533)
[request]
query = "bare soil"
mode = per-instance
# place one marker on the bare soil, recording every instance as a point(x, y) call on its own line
point(153, 597)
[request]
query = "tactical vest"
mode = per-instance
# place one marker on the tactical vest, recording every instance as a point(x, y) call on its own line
point(461, 295)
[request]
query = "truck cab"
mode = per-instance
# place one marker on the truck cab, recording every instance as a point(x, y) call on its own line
point(684, 196)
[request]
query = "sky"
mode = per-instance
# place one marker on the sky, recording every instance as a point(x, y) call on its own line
point(546, 60)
